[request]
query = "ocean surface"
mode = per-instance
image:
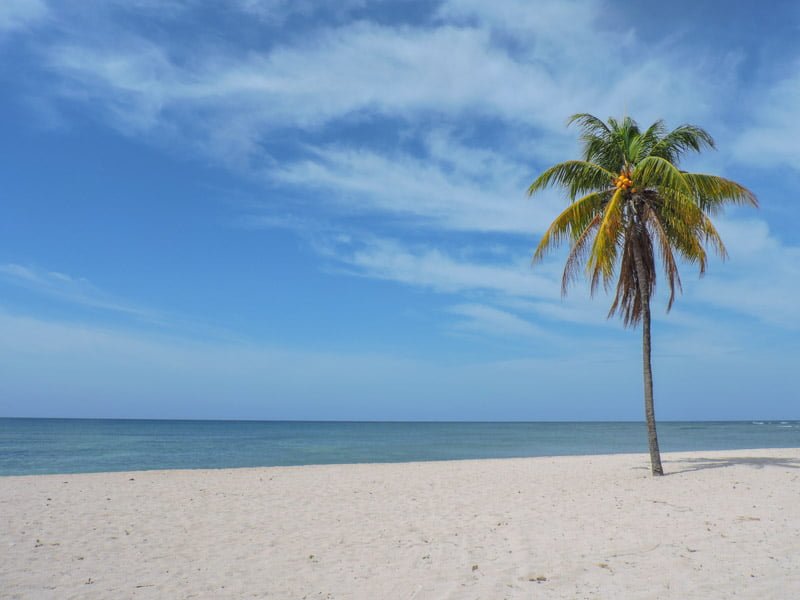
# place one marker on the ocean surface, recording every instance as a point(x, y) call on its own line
point(35, 446)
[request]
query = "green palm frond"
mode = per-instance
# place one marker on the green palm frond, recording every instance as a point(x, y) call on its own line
point(712, 192)
point(686, 137)
point(610, 156)
point(600, 142)
point(577, 176)
point(682, 221)
point(656, 172)
point(589, 123)
point(651, 137)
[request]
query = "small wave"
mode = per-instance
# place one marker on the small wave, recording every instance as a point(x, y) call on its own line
point(758, 422)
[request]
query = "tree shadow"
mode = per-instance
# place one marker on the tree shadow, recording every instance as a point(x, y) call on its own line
point(686, 465)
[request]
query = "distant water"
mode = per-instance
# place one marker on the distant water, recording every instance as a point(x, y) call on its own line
point(32, 446)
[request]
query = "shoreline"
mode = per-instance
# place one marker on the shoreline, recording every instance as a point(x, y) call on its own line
point(643, 454)
point(720, 523)
point(35, 447)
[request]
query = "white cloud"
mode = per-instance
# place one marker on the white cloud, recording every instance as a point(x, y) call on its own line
point(20, 14)
point(453, 188)
point(358, 67)
point(433, 269)
point(226, 102)
point(771, 137)
point(363, 69)
point(487, 320)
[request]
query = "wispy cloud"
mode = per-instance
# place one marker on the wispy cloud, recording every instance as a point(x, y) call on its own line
point(517, 71)
point(452, 187)
point(434, 269)
point(488, 320)
point(362, 68)
point(66, 288)
point(229, 103)
point(21, 14)
point(772, 129)
point(759, 261)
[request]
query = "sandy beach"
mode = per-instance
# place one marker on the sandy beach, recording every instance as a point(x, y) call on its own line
point(720, 525)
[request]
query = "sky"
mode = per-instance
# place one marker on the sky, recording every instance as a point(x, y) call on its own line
point(288, 209)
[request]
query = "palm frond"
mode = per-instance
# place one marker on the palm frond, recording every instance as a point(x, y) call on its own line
point(627, 293)
point(711, 192)
point(603, 255)
point(577, 254)
point(610, 156)
point(624, 139)
point(686, 137)
point(589, 123)
point(683, 223)
point(649, 139)
point(659, 173)
point(570, 223)
point(628, 297)
point(665, 250)
point(577, 176)
point(712, 237)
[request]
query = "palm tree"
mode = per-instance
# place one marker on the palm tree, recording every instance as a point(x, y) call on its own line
point(628, 202)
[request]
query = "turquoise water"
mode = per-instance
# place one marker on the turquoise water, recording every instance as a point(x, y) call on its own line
point(31, 446)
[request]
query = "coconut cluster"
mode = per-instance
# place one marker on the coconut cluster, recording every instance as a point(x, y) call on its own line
point(623, 182)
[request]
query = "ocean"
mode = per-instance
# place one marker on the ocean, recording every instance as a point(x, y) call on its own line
point(38, 446)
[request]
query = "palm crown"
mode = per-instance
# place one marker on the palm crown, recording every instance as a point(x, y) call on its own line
point(630, 200)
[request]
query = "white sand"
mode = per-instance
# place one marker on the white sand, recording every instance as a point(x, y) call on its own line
point(722, 525)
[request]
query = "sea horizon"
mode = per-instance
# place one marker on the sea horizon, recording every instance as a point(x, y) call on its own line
point(754, 420)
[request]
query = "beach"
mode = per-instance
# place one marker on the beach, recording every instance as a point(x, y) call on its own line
point(719, 525)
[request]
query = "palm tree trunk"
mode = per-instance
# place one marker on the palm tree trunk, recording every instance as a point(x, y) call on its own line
point(649, 412)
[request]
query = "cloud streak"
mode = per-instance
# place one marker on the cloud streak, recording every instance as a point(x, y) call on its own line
point(434, 269)
point(69, 289)
point(439, 190)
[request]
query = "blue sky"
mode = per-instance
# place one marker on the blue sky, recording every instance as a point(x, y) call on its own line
point(308, 210)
